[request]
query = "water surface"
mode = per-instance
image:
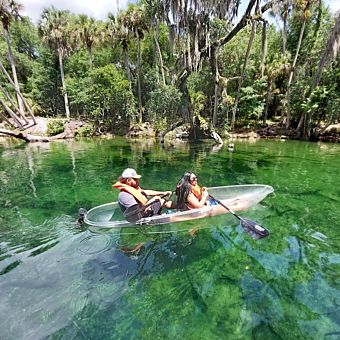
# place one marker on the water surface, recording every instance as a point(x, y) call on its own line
point(59, 281)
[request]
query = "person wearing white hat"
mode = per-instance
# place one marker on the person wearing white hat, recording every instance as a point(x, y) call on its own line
point(134, 201)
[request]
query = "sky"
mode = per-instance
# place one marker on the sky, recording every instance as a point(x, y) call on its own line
point(98, 8)
point(94, 8)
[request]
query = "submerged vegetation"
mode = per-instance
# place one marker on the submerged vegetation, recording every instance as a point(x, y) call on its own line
point(163, 62)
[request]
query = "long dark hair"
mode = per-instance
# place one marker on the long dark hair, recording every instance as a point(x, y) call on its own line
point(183, 189)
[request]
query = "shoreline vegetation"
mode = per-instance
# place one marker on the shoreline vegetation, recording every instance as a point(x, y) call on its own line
point(157, 69)
point(51, 129)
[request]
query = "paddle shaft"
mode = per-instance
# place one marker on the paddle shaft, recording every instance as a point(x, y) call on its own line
point(245, 222)
point(225, 207)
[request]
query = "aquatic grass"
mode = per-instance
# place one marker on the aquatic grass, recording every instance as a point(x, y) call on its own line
point(60, 281)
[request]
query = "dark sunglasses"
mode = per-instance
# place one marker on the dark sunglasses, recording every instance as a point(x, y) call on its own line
point(193, 179)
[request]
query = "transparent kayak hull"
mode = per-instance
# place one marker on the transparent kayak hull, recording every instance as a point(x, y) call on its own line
point(236, 197)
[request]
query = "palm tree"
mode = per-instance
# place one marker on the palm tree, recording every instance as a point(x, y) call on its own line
point(54, 28)
point(9, 11)
point(134, 20)
point(155, 15)
point(280, 11)
point(119, 32)
point(90, 33)
point(305, 16)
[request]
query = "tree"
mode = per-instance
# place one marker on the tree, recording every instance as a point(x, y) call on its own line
point(243, 73)
point(277, 67)
point(110, 97)
point(9, 11)
point(90, 32)
point(305, 16)
point(54, 28)
point(155, 15)
point(330, 53)
point(134, 20)
point(120, 33)
point(281, 10)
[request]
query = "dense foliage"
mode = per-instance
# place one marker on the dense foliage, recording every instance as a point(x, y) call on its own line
point(158, 62)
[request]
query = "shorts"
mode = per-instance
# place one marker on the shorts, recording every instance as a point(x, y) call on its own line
point(136, 212)
point(211, 202)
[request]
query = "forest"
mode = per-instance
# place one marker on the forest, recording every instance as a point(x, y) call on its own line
point(166, 62)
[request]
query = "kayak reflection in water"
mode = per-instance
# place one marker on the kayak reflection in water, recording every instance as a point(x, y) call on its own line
point(134, 201)
point(190, 195)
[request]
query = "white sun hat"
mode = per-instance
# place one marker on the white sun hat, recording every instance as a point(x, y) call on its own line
point(130, 173)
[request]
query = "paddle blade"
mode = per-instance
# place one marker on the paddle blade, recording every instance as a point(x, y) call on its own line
point(253, 229)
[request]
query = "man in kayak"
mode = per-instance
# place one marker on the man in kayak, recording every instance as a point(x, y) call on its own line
point(189, 194)
point(134, 201)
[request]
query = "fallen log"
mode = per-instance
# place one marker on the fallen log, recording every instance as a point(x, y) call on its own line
point(170, 128)
point(24, 136)
point(68, 133)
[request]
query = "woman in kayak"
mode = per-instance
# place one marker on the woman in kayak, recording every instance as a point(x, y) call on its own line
point(134, 201)
point(189, 194)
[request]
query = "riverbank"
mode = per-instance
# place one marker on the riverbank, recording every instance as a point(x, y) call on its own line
point(79, 128)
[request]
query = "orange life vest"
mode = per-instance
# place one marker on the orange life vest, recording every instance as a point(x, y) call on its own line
point(197, 191)
point(135, 192)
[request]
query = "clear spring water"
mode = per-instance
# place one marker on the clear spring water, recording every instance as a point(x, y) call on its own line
point(59, 281)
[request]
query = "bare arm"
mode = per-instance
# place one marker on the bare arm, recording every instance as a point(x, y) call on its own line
point(194, 203)
point(156, 193)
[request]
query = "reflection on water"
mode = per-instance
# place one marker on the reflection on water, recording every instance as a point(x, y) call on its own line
point(94, 244)
point(202, 279)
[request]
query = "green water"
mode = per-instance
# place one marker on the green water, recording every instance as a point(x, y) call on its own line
point(58, 281)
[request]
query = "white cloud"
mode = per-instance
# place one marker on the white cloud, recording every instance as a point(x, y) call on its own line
point(95, 8)
point(334, 5)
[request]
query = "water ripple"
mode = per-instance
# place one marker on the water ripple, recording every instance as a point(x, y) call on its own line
point(95, 244)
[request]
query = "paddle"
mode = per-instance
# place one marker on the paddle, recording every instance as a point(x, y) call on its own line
point(251, 227)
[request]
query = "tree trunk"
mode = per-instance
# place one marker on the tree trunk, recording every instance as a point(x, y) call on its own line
point(159, 52)
point(14, 72)
point(250, 43)
point(139, 86)
point(264, 48)
point(284, 30)
point(170, 128)
point(11, 113)
point(189, 61)
point(332, 47)
point(301, 121)
point(127, 64)
point(268, 99)
point(25, 137)
point(302, 30)
point(9, 99)
point(217, 90)
point(60, 57)
point(215, 72)
point(89, 50)
point(7, 121)
point(18, 93)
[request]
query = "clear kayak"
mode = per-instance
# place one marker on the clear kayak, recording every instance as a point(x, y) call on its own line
point(235, 197)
